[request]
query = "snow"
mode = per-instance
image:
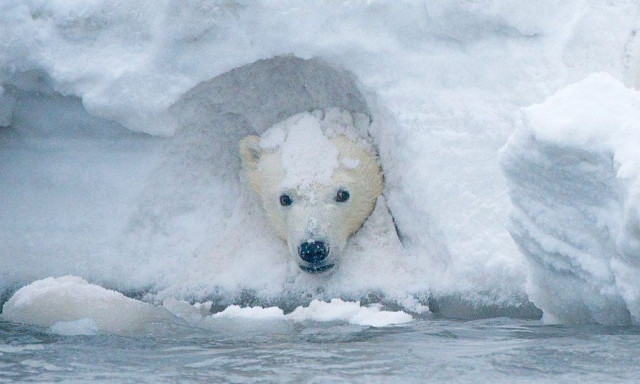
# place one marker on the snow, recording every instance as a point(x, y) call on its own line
point(119, 124)
point(257, 313)
point(573, 170)
point(336, 310)
point(316, 153)
point(350, 163)
point(70, 306)
point(353, 313)
point(75, 327)
point(305, 142)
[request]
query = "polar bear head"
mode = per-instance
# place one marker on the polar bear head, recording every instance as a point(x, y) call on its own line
point(318, 179)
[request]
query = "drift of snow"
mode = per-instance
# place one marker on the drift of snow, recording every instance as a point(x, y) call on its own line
point(573, 170)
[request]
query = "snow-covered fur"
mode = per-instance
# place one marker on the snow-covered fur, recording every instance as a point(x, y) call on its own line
point(318, 178)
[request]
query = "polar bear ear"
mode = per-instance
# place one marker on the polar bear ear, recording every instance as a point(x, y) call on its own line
point(250, 152)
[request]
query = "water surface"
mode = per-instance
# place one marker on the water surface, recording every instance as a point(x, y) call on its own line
point(494, 350)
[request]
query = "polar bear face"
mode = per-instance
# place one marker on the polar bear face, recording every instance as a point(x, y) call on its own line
point(317, 182)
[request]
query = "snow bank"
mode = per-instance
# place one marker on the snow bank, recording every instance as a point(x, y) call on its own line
point(442, 82)
point(573, 170)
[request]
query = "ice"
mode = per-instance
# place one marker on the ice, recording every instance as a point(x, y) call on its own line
point(438, 86)
point(335, 310)
point(573, 169)
point(256, 313)
point(353, 313)
point(70, 305)
point(75, 327)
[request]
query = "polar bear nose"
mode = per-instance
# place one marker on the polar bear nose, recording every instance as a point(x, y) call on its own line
point(313, 251)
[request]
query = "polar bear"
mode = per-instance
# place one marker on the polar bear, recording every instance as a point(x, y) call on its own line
point(318, 178)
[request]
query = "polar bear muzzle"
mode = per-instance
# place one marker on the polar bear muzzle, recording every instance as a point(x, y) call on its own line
point(314, 253)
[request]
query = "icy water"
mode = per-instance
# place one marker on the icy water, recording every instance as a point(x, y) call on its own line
point(494, 350)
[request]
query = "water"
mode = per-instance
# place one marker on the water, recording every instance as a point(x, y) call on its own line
point(496, 350)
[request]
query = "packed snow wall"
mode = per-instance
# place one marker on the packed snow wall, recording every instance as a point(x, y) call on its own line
point(573, 175)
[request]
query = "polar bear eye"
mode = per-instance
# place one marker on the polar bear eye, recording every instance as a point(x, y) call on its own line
point(285, 200)
point(342, 196)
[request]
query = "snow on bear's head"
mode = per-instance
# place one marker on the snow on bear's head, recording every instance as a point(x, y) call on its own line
point(318, 178)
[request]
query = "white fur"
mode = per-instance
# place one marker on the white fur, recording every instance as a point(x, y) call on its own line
point(309, 157)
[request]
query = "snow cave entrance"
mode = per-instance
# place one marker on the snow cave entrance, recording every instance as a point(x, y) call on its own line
point(249, 99)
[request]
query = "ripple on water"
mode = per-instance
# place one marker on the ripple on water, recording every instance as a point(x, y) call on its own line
point(499, 350)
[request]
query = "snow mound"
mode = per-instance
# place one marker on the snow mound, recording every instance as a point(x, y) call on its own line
point(573, 172)
point(70, 305)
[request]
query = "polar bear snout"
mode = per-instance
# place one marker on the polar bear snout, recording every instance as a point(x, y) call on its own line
point(313, 251)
